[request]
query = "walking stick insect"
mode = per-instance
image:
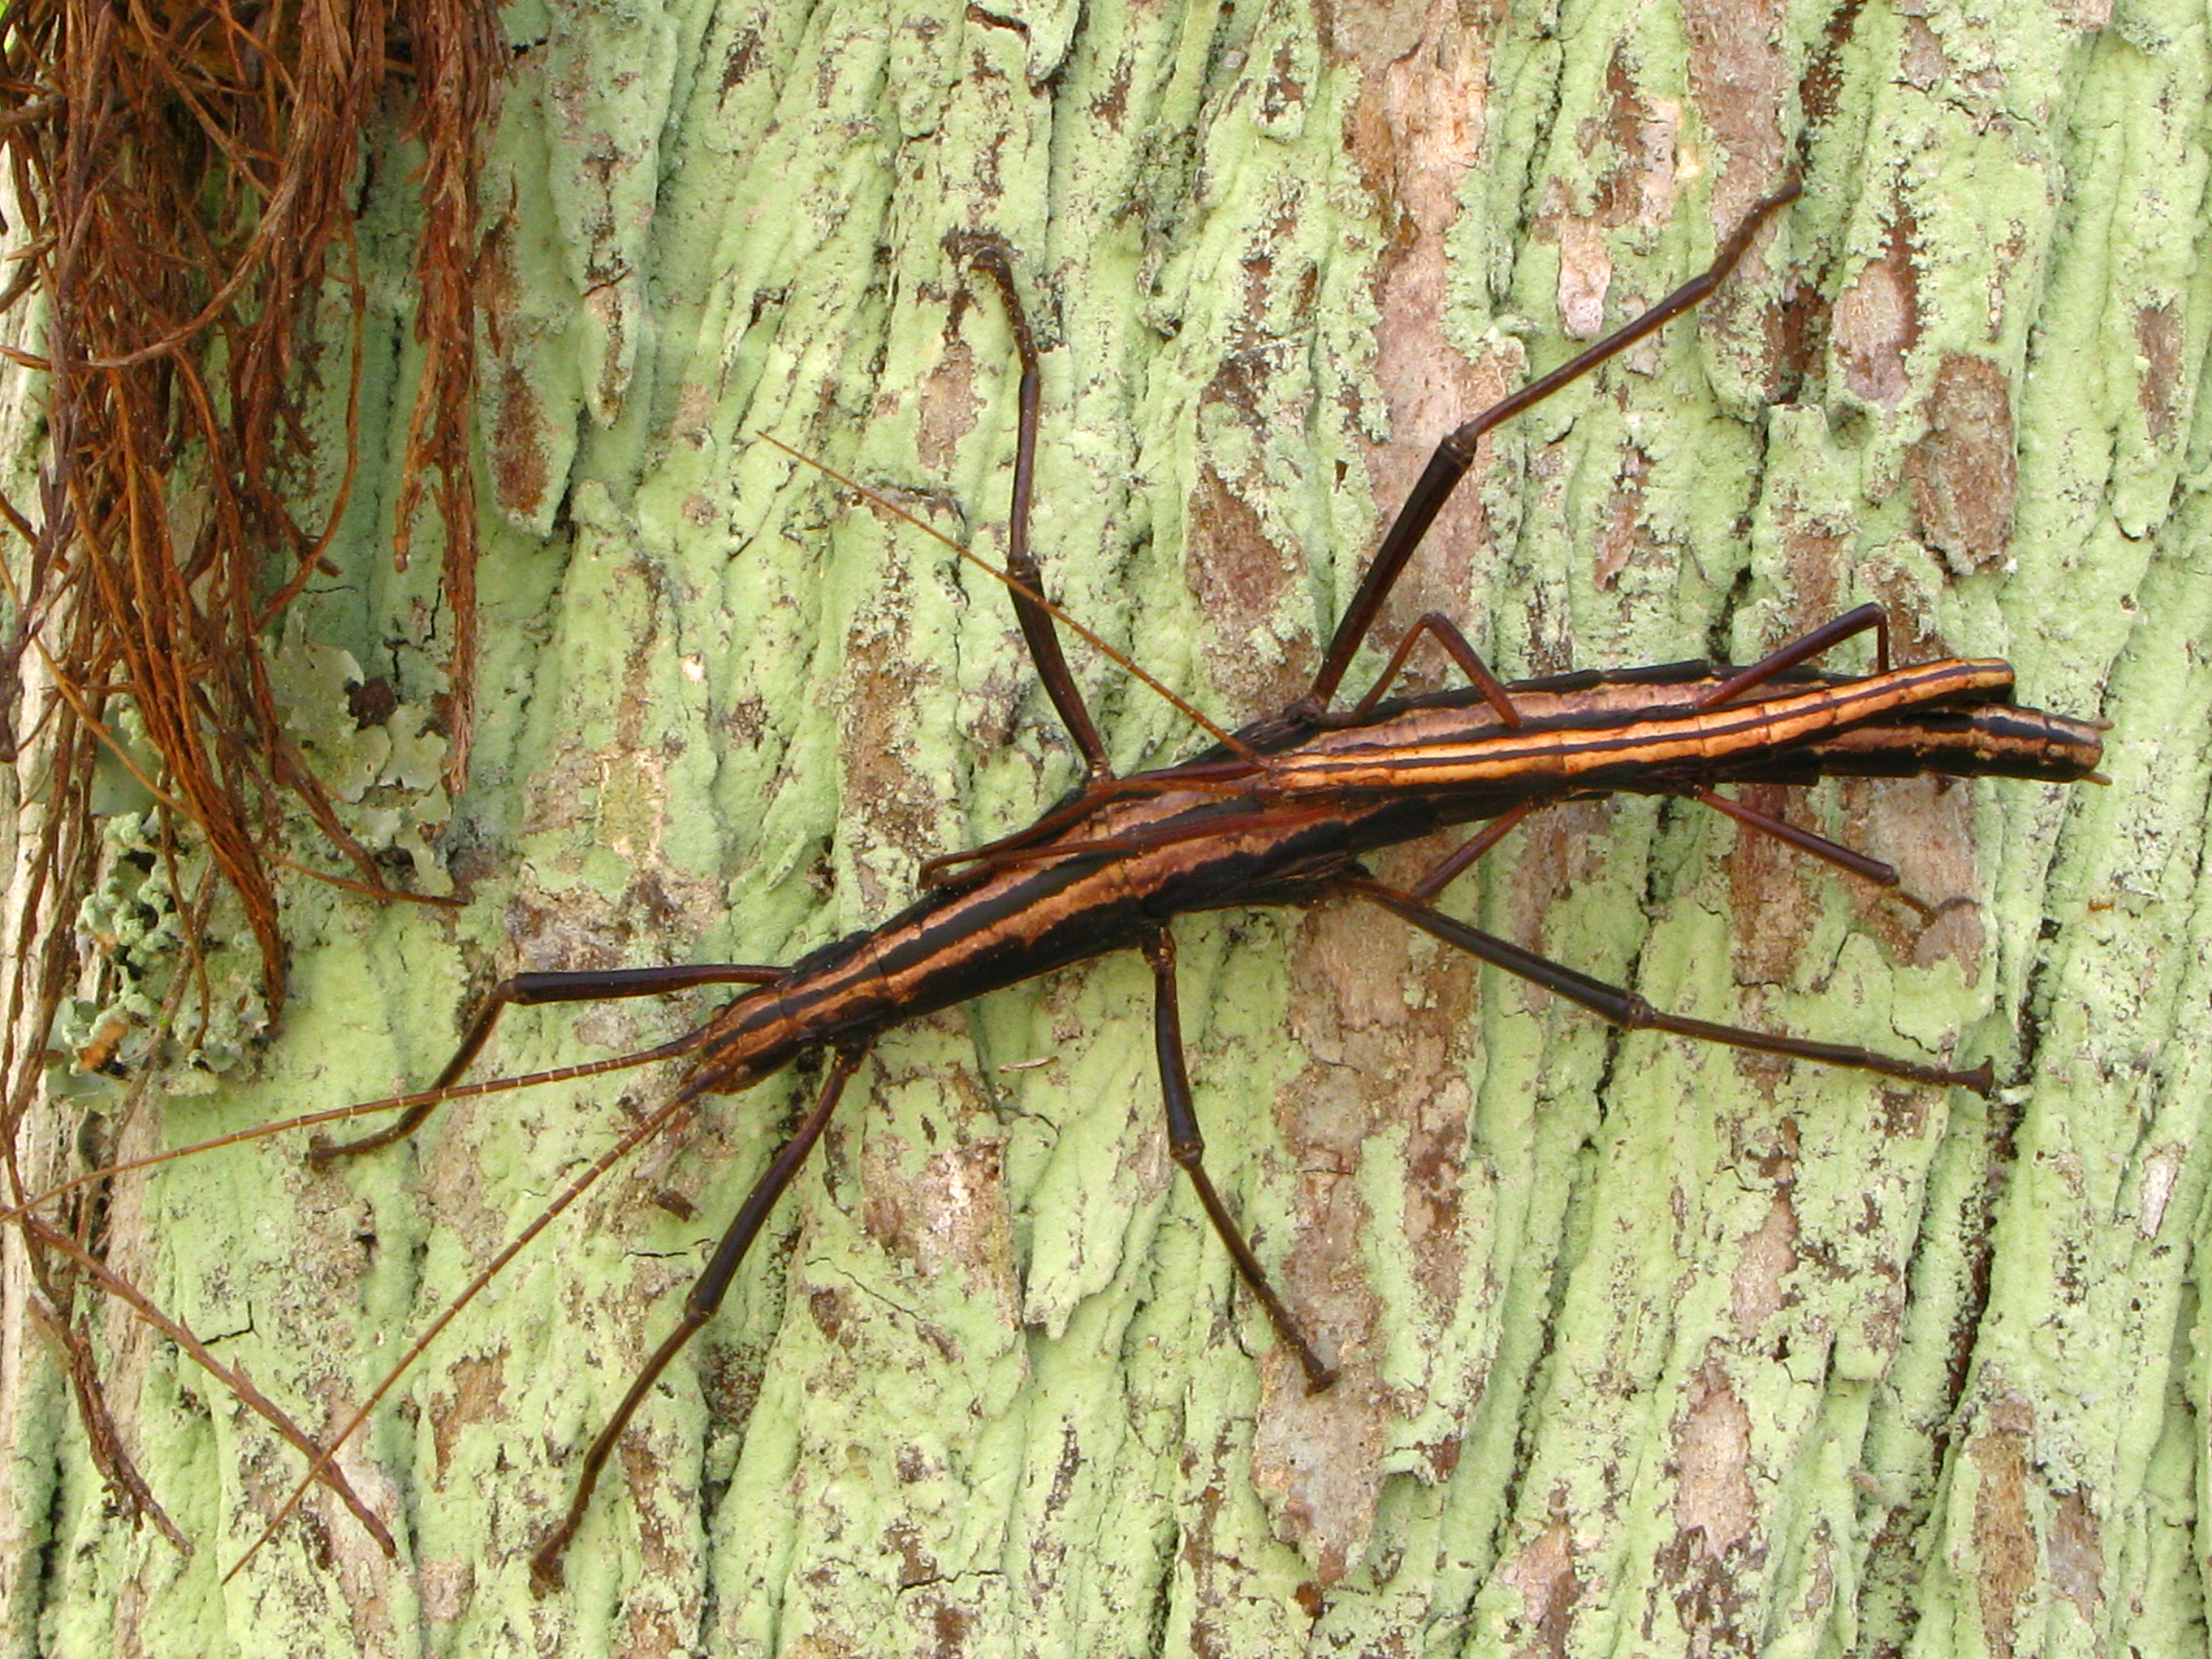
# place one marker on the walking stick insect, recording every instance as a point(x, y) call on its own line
point(1280, 812)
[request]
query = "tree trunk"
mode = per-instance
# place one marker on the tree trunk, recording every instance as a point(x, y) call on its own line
point(1647, 1346)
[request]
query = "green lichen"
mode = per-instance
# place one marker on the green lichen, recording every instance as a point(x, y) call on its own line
point(189, 1015)
point(1647, 1347)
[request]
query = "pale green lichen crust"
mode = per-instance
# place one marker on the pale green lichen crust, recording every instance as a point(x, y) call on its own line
point(1648, 1348)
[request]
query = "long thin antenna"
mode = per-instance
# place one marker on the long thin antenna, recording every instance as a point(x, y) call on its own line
point(671, 1050)
point(1228, 740)
point(240, 1384)
point(575, 1189)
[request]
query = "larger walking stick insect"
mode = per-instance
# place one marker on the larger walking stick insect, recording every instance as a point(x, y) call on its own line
point(1281, 813)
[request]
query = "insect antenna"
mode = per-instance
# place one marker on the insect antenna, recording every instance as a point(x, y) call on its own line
point(643, 1132)
point(1226, 739)
point(671, 1050)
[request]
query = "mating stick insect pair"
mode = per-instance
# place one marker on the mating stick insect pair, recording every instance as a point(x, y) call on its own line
point(1281, 813)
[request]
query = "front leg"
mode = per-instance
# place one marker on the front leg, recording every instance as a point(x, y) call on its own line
point(529, 990)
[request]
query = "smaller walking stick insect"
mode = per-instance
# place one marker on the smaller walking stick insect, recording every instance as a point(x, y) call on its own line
point(1282, 811)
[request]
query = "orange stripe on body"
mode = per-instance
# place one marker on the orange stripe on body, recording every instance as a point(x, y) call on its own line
point(1021, 905)
point(1709, 737)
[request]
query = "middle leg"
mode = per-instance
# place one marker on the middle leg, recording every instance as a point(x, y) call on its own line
point(1446, 633)
point(1188, 1148)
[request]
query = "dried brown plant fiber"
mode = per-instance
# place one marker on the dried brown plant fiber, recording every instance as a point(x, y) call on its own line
point(184, 181)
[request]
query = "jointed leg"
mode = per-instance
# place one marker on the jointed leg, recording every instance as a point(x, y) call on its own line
point(1819, 847)
point(990, 255)
point(1188, 1148)
point(1804, 648)
point(526, 990)
point(1229, 783)
point(1805, 841)
point(1632, 1012)
point(698, 1308)
point(1477, 844)
point(1858, 864)
point(1449, 464)
point(1455, 642)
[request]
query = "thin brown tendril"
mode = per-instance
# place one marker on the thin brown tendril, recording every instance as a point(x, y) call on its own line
point(184, 187)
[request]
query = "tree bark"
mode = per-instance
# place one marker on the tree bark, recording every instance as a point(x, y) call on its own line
point(1647, 1347)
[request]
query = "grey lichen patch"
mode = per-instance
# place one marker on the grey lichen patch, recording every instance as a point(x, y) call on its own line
point(189, 1014)
point(1416, 132)
point(1716, 1508)
point(2005, 1565)
point(901, 811)
point(1770, 1255)
point(1876, 318)
point(940, 1207)
point(198, 1013)
point(1963, 472)
point(381, 757)
point(1740, 77)
point(1317, 1459)
point(1543, 1577)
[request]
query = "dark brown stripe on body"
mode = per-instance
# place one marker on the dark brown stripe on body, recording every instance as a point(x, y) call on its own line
point(1314, 807)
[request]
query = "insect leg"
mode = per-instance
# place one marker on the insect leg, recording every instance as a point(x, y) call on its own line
point(526, 990)
point(1477, 844)
point(1631, 1012)
point(1858, 864)
point(1468, 659)
point(1449, 464)
point(1845, 859)
point(1188, 1148)
point(993, 854)
point(698, 1308)
point(1167, 835)
point(988, 255)
point(1804, 648)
